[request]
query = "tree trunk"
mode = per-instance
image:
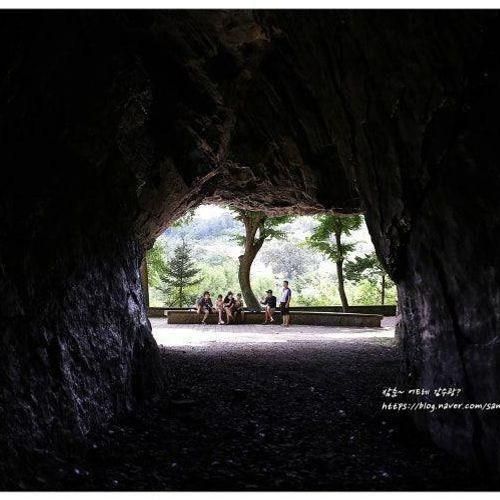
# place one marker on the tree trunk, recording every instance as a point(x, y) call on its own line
point(244, 279)
point(340, 271)
point(144, 281)
point(340, 277)
point(383, 289)
point(253, 223)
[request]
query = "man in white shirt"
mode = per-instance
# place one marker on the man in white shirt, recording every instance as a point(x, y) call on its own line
point(286, 296)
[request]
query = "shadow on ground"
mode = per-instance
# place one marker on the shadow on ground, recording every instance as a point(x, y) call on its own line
point(283, 416)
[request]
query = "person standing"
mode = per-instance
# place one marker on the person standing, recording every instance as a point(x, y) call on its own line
point(270, 307)
point(286, 296)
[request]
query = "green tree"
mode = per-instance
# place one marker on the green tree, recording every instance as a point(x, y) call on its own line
point(156, 262)
point(327, 237)
point(179, 277)
point(369, 268)
point(289, 260)
point(315, 289)
point(258, 228)
point(220, 278)
point(263, 282)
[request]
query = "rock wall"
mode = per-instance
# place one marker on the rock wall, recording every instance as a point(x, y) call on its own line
point(76, 345)
point(419, 127)
point(115, 123)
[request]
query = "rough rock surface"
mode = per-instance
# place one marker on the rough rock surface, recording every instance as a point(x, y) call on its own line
point(113, 124)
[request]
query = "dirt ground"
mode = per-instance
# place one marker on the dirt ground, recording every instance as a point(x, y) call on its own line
point(292, 415)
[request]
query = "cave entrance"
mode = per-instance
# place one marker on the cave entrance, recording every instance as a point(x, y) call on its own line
point(132, 118)
point(328, 260)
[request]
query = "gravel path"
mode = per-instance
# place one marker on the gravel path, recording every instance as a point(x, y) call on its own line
point(293, 415)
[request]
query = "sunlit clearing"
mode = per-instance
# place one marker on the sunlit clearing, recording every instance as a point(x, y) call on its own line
point(178, 335)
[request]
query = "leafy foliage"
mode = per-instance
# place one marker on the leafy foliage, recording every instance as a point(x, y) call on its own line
point(327, 238)
point(156, 262)
point(268, 227)
point(327, 235)
point(288, 260)
point(367, 293)
point(367, 267)
point(315, 289)
point(220, 278)
point(370, 269)
point(261, 283)
point(312, 272)
point(258, 228)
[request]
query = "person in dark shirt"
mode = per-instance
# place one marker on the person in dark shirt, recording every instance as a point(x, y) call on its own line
point(205, 306)
point(238, 308)
point(270, 307)
point(229, 304)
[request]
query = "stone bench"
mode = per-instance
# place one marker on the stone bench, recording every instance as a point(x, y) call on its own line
point(320, 318)
point(179, 317)
point(183, 316)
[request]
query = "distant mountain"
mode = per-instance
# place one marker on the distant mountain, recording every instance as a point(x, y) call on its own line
point(220, 226)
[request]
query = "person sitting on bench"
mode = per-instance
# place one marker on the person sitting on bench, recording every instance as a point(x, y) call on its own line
point(219, 307)
point(270, 307)
point(205, 306)
point(238, 308)
point(229, 307)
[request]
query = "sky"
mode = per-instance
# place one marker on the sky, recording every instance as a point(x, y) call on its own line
point(209, 211)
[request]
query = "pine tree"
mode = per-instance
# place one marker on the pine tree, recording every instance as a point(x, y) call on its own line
point(179, 276)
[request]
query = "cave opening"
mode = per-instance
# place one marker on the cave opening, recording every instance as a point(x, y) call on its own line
point(201, 251)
